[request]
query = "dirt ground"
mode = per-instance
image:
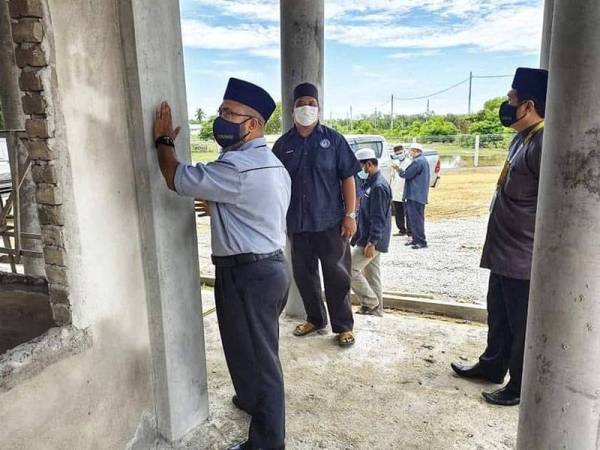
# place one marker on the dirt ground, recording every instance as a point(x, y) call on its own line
point(462, 193)
point(393, 390)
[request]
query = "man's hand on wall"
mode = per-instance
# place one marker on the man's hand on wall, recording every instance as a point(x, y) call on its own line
point(201, 207)
point(163, 122)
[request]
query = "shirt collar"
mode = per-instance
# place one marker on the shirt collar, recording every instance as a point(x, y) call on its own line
point(373, 178)
point(256, 142)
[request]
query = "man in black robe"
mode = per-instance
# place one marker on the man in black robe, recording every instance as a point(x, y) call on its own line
point(508, 247)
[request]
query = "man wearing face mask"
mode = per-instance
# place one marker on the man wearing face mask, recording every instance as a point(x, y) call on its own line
point(248, 194)
point(372, 236)
point(397, 185)
point(508, 247)
point(321, 215)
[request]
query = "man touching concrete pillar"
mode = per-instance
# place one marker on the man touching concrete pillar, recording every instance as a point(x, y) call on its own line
point(561, 390)
point(153, 53)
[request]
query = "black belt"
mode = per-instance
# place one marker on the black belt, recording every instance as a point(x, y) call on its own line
point(243, 258)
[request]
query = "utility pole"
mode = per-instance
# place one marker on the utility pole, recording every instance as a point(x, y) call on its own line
point(427, 106)
point(392, 114)
point(470, 90)
point(350, 117)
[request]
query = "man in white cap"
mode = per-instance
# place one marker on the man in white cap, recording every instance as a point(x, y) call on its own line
point(374, 227)
point(416, 190)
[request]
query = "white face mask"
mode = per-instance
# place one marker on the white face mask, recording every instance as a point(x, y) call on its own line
point(306, 115)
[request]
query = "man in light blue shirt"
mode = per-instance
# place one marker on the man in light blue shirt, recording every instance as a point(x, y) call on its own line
point(248, 194)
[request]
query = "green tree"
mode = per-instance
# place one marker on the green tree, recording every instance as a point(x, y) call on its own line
point(274, 124)
point(438, 126)
point(206, 132)
point(200, 115)
point(487, 121)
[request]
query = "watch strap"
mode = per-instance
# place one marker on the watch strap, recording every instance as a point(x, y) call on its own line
point(165, 140)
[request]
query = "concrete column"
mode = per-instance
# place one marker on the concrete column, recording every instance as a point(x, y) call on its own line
point(302, 60)
point(14, 119)
point(151, 37)
point(561, 392)
point(302, 52)
point(547, 34)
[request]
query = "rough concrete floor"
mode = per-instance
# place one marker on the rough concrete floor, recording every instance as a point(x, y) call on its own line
point(393, 390)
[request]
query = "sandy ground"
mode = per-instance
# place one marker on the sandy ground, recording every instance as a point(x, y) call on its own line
point(393, 390)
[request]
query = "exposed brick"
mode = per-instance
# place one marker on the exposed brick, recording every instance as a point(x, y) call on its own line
point(37, 128)
point(29, 30)
point(43, 173)
point(48, 194)
point(51, 215)
point(39, 150)
point(57, 276)
point(53, 235)
point(32, 55)
point(30, 81)
point(61, 313)
point(34, 104)
point(54, 255)
point(26, 8)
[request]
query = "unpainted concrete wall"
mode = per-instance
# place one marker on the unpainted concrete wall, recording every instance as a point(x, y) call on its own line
point(94, 399)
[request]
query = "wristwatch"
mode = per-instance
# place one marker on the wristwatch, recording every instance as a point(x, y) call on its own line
point(352, 215)
point(165, 140)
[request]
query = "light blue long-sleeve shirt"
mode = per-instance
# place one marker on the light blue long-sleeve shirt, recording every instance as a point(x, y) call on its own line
point(248, 191)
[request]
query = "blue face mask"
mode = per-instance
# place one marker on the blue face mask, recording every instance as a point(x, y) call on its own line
point(228, 134)
point(363, 175)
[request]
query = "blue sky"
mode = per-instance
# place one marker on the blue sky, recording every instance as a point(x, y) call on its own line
point(373, 48)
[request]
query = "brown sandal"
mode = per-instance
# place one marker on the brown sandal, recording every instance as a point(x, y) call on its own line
point(306, 328)
point(346, 339)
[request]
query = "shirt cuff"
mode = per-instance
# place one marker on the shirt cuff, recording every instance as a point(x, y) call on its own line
point(177, 180)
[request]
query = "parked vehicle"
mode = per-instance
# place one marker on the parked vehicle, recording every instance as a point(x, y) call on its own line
point(383, 151)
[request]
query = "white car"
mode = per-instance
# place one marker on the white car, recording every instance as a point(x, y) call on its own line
point(383, 151)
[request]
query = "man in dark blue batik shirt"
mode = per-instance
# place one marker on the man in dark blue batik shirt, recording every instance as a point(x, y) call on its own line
point(321, 217)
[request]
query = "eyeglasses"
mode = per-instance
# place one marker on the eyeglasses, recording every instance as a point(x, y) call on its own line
point(230, 116)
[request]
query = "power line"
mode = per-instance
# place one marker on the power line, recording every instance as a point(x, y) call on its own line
point(493, 76)
point(434, 93)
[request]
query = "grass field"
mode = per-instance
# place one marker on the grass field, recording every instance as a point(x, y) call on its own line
point(462, 193)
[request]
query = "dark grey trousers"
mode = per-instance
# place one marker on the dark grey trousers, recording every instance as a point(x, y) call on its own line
point(336, 261)
point(249, 299)
point(416, 221)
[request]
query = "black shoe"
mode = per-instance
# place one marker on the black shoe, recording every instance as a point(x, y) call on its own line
point(410, 243)
point(475, 371)
point(236, 402)
point(418, 246)
point(502, 397)
point(247, 446)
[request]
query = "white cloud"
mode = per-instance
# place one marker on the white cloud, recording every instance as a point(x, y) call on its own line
point(260, 40)
point(493, 25)
point(501, 31)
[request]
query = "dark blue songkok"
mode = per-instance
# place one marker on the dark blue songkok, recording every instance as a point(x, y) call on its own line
point(250, 95)
point(531, 84)
point(306, 90)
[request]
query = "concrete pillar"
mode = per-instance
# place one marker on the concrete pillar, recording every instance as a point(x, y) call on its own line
point(153, 53)
point(302, 52)
point(547, 34)
point(14, 119)
point(302, 60)
point(561, 393)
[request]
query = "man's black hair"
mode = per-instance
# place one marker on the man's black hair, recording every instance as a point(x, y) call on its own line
point(540, 106)
point(374, 161)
